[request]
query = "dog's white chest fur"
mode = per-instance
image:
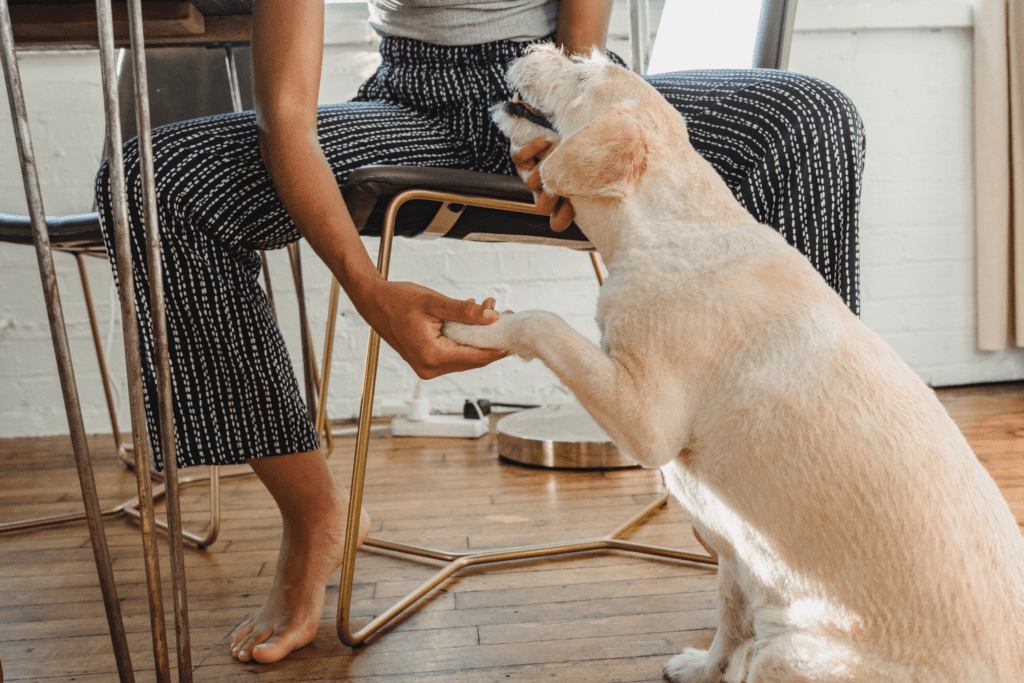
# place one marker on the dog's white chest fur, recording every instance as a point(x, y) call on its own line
point(859, 538)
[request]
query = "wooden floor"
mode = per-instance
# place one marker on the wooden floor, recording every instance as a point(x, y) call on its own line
point(595, 618)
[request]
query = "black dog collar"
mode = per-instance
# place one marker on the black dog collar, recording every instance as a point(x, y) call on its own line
point(518, 110)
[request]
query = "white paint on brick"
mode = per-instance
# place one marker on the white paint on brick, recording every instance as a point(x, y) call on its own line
point(907, 65)
point(913, 89)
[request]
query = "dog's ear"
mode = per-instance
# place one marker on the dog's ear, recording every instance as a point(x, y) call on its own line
point(605, 158)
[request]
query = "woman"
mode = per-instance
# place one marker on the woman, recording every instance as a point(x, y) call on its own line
point(232, 185)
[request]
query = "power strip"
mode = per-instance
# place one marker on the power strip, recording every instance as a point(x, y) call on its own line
point(440, 425)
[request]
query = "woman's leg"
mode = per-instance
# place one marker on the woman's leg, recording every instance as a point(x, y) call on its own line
point(791, 148)
point(235, 395)
point(313, 509)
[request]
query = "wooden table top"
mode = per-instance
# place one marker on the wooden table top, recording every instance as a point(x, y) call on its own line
point(71, 24)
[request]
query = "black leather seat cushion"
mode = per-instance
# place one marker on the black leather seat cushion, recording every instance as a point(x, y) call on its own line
point(76, 230)
point(368, 190)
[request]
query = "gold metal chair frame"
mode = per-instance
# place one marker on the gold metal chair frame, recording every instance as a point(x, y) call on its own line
point(456, 562)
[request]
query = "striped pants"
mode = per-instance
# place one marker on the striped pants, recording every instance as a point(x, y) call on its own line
point(790, 148)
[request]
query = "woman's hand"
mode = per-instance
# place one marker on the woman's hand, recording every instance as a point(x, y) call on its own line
point(409, 317)
point(527, 161)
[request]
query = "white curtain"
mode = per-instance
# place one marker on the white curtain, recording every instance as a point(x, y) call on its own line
point(999, 171)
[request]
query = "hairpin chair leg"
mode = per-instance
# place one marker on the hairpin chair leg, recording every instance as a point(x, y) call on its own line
point(455, 561)
point(315, 389)
point(62, 351)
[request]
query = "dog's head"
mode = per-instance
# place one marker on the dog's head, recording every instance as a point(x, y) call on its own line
point(601, 115)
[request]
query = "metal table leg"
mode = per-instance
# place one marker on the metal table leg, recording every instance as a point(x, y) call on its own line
point(166, 416)
point(55, 314)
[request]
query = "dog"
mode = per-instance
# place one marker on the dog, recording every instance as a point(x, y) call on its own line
point(858, 537)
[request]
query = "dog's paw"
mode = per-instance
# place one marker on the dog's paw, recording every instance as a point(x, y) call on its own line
point(492, 336)
point(691, 666)
point(504, 334)
point(513, 333)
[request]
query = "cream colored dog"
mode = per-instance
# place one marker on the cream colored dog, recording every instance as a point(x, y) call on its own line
point(858, 537)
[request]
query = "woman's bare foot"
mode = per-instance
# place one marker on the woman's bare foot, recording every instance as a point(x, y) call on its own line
point(314, 511)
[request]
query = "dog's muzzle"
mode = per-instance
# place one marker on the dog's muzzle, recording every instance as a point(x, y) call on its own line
point(518, 109)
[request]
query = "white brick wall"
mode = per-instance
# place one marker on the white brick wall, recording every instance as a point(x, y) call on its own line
point(912, 84)
point(907, 66)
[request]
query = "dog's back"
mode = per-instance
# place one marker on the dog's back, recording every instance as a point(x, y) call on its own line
point(859, 537)
point(864, 493)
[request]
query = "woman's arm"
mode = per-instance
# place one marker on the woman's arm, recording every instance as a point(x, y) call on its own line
point(287, 51)
point(583, 24)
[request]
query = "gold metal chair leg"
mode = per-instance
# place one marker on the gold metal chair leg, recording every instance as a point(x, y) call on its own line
point(314, 388)
point(323, 381)
point(599, 270)
point(101, 359)
point(214, 477)
point(456, 562)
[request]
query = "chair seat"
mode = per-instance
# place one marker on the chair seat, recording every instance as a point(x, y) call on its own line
point(79, 230)
point(368, 191)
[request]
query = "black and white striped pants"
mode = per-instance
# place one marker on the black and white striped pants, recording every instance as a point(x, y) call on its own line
point(790, 147)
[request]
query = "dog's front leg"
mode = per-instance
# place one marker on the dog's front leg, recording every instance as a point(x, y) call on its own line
point(726, 660)
point(626, 404)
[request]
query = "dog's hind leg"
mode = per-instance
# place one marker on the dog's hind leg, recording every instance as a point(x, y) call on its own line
point(726, 660)
point(801, 657)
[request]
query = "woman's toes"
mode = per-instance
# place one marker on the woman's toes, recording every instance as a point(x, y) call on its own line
point(242, 646)
point(271, 651)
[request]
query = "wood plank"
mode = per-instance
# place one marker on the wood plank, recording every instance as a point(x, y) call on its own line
point(216, 30)
point(68, 23)
point(596, 617)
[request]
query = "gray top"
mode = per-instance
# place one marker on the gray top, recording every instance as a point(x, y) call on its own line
point(464, 22)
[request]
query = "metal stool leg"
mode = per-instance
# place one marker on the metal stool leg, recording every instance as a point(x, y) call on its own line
point(101, 359)
point(131, 507)
point(455, 561)
point(60, 343)
point(166, 413)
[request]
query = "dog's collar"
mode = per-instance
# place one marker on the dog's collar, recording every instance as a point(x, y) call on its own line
point(519, 110)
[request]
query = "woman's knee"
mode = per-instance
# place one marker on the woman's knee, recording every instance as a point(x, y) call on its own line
point(816, 105)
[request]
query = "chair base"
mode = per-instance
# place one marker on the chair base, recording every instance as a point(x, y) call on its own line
point(456, 562)
point(131, 509)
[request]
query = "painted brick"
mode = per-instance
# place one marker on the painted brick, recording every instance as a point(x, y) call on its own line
point(914, 280)
point(912, 87)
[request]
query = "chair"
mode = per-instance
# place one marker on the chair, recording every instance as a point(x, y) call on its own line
point(431, 202)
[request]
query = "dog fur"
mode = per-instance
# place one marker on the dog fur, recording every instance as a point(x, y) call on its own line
point(858, 537)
